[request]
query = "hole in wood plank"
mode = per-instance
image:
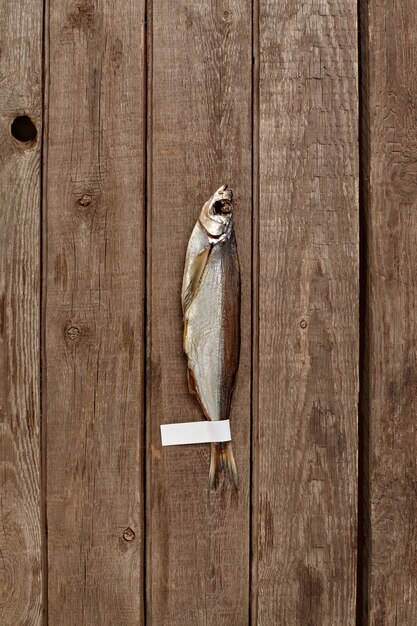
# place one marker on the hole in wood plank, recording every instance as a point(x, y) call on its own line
point(24, 130)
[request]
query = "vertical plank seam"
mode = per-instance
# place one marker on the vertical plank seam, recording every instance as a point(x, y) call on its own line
point(147, 327)
point(145, 298)
point(253, 473)
point(362, 591)
point(42, 308)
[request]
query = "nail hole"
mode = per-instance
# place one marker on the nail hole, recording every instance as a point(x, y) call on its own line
point(24, 130)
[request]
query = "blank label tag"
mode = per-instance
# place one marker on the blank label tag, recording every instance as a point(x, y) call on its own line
point(195, 432)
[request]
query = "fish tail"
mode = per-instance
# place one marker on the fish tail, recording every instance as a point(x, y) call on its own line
point(222, 460)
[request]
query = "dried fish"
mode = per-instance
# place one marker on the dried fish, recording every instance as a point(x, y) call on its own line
point(211, 312)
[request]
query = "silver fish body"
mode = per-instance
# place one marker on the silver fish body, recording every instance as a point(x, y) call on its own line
point(211, 311)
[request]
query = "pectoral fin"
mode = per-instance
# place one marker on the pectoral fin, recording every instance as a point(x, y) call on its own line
point(196, 273)
point(191, 383)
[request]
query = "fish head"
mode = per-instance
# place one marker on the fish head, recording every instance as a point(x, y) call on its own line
point(217, 213)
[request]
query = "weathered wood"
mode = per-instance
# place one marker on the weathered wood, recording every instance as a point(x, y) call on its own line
point(200, 137)
point(94, 312)
point(305, 464)
point(20, 178)
point(392, 302)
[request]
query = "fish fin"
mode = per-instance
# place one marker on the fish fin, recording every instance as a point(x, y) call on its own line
point(191, 382)
point(222, 460)
point(196, 274)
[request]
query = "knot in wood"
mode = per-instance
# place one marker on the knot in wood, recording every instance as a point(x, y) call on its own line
point(128, 534)
point(85, 200)
point(72, 333)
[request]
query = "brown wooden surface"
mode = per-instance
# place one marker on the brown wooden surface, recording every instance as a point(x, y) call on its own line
point(20, 178)
point(200, 137)
point(94, 312)
point(392, 302)
point(306, 423)
point(116, 218)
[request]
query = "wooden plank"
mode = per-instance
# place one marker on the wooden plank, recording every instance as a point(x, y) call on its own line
point(392, 301)
point(94, 312)
point(20, 182)
point(305, 471)
point(200, 137)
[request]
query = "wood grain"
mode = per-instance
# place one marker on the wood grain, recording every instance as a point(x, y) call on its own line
point(305, 441)
point(20, 177)
point(392, 301)
point(94, 312)
point(199, 138)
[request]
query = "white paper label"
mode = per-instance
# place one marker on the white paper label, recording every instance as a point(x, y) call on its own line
point(195, 432)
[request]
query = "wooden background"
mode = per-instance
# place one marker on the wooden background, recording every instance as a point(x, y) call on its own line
point(308, 111)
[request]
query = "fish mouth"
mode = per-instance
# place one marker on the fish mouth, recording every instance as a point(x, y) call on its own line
point(223, 200)
point(223, 206)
